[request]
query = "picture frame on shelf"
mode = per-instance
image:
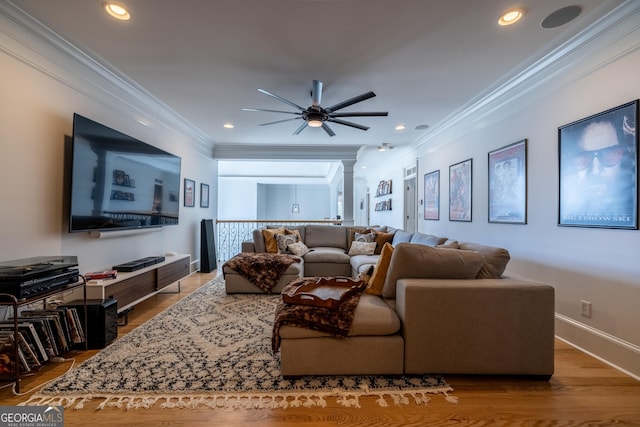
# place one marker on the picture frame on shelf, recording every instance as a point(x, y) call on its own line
point(189, 193)
point(598, 170)
point(460, 187)
point(432, 195)
point(507, 174)
point(204, 195)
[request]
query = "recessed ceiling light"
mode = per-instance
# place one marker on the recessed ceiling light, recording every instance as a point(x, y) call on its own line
point(422, 127)
point(400, 127)
point(228, 126)
point(116, 10)
point(511, 16)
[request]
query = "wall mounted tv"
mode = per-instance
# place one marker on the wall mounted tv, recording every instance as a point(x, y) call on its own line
point(119, 182)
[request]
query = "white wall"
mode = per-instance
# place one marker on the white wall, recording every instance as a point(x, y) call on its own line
point(39, 98)
point(597, 265)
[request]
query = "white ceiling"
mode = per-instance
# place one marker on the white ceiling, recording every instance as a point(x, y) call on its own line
point(425, 59)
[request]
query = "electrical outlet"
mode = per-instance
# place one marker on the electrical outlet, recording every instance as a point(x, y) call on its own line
point(585, 309)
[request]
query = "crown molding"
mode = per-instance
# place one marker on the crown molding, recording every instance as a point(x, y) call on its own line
point(31, 42)
point(597, 43)
point(285, 152)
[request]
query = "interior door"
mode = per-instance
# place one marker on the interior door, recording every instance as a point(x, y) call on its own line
point(410, 204)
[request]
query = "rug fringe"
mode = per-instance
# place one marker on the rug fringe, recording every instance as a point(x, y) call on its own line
point(244, 401)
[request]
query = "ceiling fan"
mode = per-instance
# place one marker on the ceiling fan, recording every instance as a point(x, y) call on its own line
point(317, 116)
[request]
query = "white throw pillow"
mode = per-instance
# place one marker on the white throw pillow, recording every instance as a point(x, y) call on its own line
point(364, 237)
point(362, 248)
point(298, 248)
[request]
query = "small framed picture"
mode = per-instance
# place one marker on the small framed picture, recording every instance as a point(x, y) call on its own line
point(508, 184)
point(598, 161)
point(204, 195)
point(189, 193)
point(432, 195)
point(460, 191)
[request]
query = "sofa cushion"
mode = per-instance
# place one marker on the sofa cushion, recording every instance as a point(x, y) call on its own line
point(449, 243)
point(410, 260)
point(496, 259)
point(269, 236)
point(371, 317)
point(326, 255)
point(401, 236)
point(376, 282)
point(326, 235)
point(427, 239)
point(298, 249)
point(363, 237)
point(284, 240)
point(381, 238)
point(258, 240)
point(360, 262)
point(362, 248)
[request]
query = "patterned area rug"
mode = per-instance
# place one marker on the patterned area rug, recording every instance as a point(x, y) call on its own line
point(213, 349)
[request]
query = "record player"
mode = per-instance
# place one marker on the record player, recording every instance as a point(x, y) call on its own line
point(30, 277)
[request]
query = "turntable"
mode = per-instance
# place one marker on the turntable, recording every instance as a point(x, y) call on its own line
point(30, 277)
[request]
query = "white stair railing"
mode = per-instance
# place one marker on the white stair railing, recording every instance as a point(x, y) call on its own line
point(231, 233)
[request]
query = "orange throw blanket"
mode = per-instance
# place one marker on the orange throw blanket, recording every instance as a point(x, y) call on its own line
point(262, 269)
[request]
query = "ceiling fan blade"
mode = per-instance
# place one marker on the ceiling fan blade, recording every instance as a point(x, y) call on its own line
point(280, 121)
point(328, 130)
point(316, 93)
point(351, 101)
point(361, 114)
point(271, 111)
point(301, 128)
point(279, 98)
point(344, 122)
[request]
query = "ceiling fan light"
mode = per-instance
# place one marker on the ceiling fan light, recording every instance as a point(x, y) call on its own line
point(315, 123)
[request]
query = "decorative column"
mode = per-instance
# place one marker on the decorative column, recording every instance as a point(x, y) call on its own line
point(347, 192)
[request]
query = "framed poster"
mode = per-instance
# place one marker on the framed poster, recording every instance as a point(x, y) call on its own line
point(460, 191)
point(432, 195)
point(189, 193)
point(508, 184)
point(598, 176)
point(204, 195)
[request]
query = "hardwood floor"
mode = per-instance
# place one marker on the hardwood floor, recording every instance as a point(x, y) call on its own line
point(583, 392)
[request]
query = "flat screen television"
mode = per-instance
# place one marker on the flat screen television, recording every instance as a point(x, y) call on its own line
point(119, 182)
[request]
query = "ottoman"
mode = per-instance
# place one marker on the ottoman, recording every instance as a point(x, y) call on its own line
point(235, 283)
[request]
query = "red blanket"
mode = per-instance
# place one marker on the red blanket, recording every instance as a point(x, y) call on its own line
point(335, 322)
point(262, 269)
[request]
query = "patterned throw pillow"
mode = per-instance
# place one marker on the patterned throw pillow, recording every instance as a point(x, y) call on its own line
point(284, 240)
point(298, 249)
point(362, 248)
point(364, 237)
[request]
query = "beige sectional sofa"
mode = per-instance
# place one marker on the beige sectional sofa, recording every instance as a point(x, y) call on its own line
point(445, 307)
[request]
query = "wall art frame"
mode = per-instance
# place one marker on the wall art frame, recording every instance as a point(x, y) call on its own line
point(432, 195)
point(507, 190)
point(189, 193)
point(460, 189)
point(204, 195)
point(598, 170)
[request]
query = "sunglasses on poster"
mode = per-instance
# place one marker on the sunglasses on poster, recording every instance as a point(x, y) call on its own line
point(608, 157)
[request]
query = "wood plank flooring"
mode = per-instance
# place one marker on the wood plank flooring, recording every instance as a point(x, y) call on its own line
point(583, 392)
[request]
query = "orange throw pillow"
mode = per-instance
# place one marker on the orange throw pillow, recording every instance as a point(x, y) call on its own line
point(376, 282)
point(270, 242)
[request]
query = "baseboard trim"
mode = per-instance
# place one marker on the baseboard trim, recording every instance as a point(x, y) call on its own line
point(615, 352)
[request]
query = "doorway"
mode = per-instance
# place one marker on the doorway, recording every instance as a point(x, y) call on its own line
point(410, 204)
